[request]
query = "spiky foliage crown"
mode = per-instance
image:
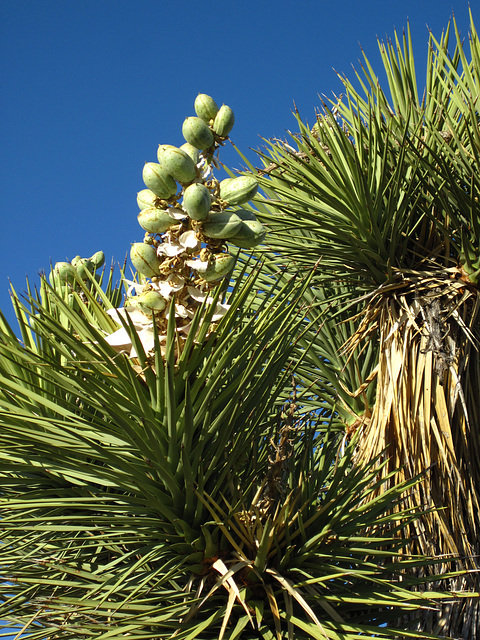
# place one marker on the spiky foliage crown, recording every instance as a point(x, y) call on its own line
point(184, 492)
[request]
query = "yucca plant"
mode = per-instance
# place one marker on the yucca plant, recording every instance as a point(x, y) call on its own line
point(183, 497)
point(381, 195)
point(165, 472)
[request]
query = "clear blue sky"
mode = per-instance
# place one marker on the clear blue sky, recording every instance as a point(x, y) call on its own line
point(89, 88)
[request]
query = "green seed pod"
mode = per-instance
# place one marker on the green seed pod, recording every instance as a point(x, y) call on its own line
point(150, 302)
point(83, 267)
point(238, 190)
point(192, 151)
point(155, 220)
point(205, 107)
point(221, 225)
point(64, 271)
point(64, 291)
point(162, 147)
point(250, 234)
point(197, 133)
point(144, 259)
point(159, 181)
point(177, 163)
point(146, 199)
point(245, 214)
point(196, 201)
point(224, 121)
point(72, 301)
point(219, 267)
point(98, 259)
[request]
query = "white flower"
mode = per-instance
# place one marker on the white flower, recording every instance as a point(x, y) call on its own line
point(172, 247)
point(176, 213)
point(189, 240)
point(170, 285)
point(198, 265)
point(136, 316)
point(206, 167)
point(180, 312)
point(120, 339)
point(199, 296)
point(133, 287)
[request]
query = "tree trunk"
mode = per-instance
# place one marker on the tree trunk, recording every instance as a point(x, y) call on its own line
point(426, 419)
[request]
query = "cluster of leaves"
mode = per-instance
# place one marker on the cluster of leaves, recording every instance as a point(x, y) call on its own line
point(379, 185)
point(380, 197)
point(183, 497)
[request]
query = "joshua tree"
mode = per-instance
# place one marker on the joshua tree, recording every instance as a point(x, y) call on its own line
point(382, 195)
point(163, 472)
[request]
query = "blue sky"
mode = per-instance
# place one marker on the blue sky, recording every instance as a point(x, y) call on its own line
point(91, 87)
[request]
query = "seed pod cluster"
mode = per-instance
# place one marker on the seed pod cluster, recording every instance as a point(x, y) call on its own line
point(69, 273)
point(69, 279)
point(198, 203)
point(189, 219)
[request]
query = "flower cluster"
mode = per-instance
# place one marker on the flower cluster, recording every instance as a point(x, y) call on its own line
point(188, 217)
